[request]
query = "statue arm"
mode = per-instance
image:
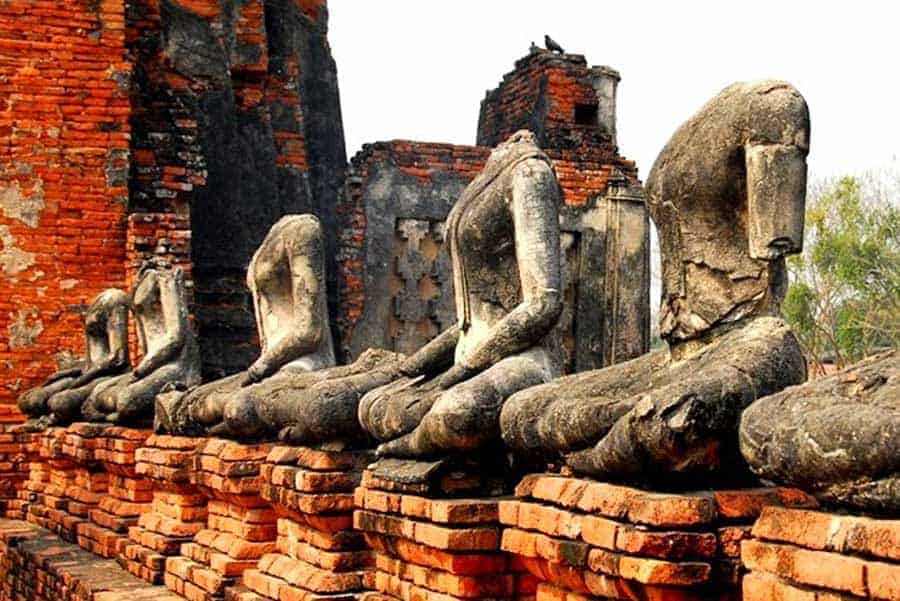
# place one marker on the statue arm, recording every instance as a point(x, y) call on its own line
point(534, 203)
point(307, 266)
point(434, 357)
point(117, 339)
point(172, 300)
point(72, 372)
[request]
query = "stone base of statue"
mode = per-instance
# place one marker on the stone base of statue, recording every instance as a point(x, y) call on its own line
point(318, 555)
point(597, 540)
point(802, 554)
point(127, 495)
point(178, 510)
point(436, 534)
point(240, 526)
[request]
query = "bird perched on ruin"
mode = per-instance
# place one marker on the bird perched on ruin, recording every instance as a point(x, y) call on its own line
point(552, 45)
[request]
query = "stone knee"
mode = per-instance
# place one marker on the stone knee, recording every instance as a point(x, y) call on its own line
point(375, 412)
point(388, 413)
point(462, 419)
point(756, 428)
point(240, 417)
point(34, 402)
point(128, 404)
point(66, 404)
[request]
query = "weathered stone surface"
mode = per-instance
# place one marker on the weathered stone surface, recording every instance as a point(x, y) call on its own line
point(837, 436)
point(504, 248)
point(60, 399)
point(287, 281)
point(169, 349)
point(293, 389)
point(727, 193)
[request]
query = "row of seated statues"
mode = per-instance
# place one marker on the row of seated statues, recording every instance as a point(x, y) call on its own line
point(727, 194)
point(105, 387)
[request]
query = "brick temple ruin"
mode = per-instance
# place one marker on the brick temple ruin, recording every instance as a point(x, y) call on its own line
point(182, 130)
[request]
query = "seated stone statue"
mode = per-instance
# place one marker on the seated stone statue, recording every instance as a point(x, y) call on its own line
point(59, 399)
point(837, 437)
point(287, 280)
point(503, 236)
point(727, 194)
point(167, 343)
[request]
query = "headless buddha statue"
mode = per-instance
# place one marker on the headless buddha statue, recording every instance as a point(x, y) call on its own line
point(170, 354)
point(286, 277)
point(727, 194)
point(59, 399)
point(503, 236)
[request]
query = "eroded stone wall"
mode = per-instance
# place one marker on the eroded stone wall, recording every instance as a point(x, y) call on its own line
point(237, 123)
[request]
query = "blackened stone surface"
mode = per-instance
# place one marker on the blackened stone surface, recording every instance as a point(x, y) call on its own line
point(838, 436)
point(238, 105)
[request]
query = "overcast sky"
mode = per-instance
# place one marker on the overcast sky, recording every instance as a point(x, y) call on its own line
point(417, 69)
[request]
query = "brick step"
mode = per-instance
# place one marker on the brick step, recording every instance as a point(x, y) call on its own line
point(35, 564)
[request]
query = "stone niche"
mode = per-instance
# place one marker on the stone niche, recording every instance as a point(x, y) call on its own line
point(395, 277)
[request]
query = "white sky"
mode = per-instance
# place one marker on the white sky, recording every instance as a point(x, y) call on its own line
point(418, 69)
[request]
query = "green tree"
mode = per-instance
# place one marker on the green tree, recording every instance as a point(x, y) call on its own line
point(844, 297)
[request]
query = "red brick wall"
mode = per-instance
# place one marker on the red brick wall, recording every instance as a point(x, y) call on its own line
point(541, 94)
point(64, 125)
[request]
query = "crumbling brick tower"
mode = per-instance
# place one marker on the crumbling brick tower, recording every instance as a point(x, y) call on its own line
point(155, 127)
point(395, 278)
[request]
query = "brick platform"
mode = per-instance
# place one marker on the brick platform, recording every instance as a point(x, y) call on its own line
point(75, 483)
point(177, 512)
point(435, 548)
point(318, 555)
point(27, 475)
point(811, 556)
point(583, 538)
point(240, 527)
point(128, 495)
point(36, 566)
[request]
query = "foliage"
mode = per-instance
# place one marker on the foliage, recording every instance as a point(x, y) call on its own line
point(844, 297)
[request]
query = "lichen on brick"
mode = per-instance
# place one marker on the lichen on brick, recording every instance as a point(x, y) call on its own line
point(13, 260)
point(25, 207)
point(24, 328)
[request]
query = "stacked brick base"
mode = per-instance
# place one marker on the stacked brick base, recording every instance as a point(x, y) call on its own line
point(215, 519)
point(240, 527)
point(28, 473)
point(435, 549)
point(318, 555)
point(72, 484)
point(586, 539)
point(798, 555)
point(127, 496)
point(177, 512)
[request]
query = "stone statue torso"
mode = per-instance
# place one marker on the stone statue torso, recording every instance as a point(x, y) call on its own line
point(97, 337)
point(150, 318)
point(483, 253)
point(272, 281)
